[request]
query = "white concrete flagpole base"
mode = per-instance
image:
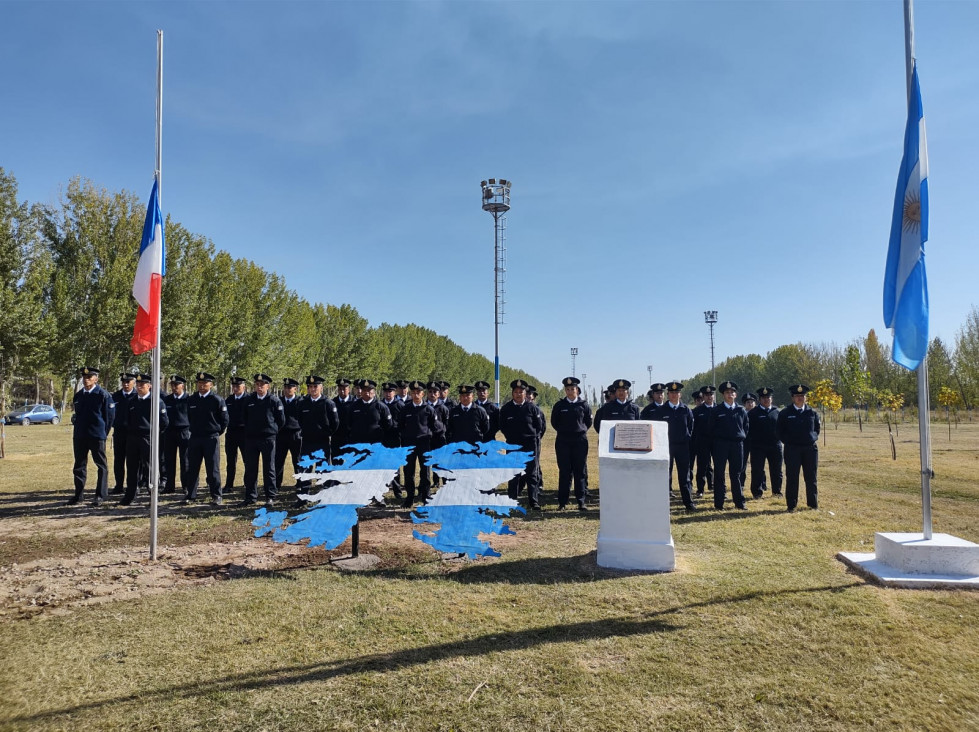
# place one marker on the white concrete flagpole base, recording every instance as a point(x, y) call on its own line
point(634, 527)
point(910, 560)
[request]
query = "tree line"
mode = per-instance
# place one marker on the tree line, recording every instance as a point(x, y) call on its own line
point(862, 372)
point(66, 276)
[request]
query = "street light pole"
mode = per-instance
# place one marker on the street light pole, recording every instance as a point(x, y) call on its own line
point(574, 355)
point(710, 317)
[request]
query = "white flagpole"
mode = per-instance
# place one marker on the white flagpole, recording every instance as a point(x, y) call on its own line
point(154, 477)
point(924, 406)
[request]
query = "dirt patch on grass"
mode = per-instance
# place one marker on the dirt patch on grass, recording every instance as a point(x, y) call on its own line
point(56, 585)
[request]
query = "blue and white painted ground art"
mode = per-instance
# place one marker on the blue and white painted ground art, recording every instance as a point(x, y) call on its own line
point(468, 504)
point(362, 473)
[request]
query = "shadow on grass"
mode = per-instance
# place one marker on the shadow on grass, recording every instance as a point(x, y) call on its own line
point(500, 641)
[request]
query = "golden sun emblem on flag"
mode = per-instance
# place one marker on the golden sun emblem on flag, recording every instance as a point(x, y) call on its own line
point(912, 213)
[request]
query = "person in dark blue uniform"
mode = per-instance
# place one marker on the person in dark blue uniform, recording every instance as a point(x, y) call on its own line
point(392, 438)
point(468, 422)
point(532, 398)
point(657, 399)
point(798, 429)
point(264, 417)
point(318, 418)
point(343, 401)
point(139, 423)
point(444, 397)
point(763, 444)
point(571, 419)
point(439, 438)
point(119, 430)
point(702, 442)
point(520, 424)
point(402, 395)
point(234, 438)
point(369, 419)
point(289, 441)
point(492, 410)
point(620, 407)
point(729, 428)
point(748, 401)
point(176, 439)
point(208, 419)
point(680, 419)
point(417, 424)
point(94, 412)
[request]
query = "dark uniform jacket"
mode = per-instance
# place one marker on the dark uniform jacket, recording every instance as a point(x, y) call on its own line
point(369, 421)
point(318, 419)
point(764, 426)
point(571, 419)
point(95, 412)
point(798, 427)
point(291, 410)
point(729, 424)
point(122, 400)
point(493, 412)
point(342, 435)
point(614, 410)
point(651, 410)
point(680, 422)
point(417, 422)
point(521, 423)
point(177, 411)
point(207, 415)
point(393, 436)
point(236, 412)
point(441, 418)
point(263, 417)
point(467, 425)
point(138, 417)
point(702, 423)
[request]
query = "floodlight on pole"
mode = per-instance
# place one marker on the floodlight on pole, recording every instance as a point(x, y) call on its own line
point(649, 370)
point(574, 355)
point(710, 317)
point(496, 200)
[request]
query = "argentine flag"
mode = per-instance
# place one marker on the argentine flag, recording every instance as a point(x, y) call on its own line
point(905, 283)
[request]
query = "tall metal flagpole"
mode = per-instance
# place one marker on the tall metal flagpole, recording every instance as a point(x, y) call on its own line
point(924, 406)
point(154, 411)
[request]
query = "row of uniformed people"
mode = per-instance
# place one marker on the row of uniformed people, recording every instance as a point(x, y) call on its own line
point(726, 435)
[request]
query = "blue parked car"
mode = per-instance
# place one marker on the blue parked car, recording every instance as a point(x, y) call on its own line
point(33, 414)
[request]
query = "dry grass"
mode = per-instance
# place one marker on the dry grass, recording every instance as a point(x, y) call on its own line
point(760, 627)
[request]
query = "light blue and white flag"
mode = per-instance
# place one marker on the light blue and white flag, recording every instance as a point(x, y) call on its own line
point(905, 282)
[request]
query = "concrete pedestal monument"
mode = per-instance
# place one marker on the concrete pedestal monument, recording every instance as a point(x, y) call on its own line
point(633, 474)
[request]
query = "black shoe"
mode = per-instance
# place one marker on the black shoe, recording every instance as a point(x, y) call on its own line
point(217, 501)
point(408, 503)
point(73, 501)
point(690, 509)
point(247, 502)
point(582, 507)
point(535, 507)
point(97, 503)
point(777, 495)
point(562, 506)
point(117, 491)
point(269, 503)
point(790, 509)
point(124, 502)
point(700, 494)
point(168, 490)
point(742, 507)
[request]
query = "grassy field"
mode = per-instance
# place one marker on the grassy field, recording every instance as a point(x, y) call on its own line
point(760, 627)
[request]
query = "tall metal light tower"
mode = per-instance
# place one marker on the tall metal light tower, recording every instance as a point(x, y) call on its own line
point(710, 317)
point(574, 355)
point(584, 387)
point(496, 200)
point(649, 370)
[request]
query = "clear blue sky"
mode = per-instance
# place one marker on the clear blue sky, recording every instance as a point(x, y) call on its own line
point(667, 158)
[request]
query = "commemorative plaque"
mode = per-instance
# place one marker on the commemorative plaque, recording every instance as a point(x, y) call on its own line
point(633, 437)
